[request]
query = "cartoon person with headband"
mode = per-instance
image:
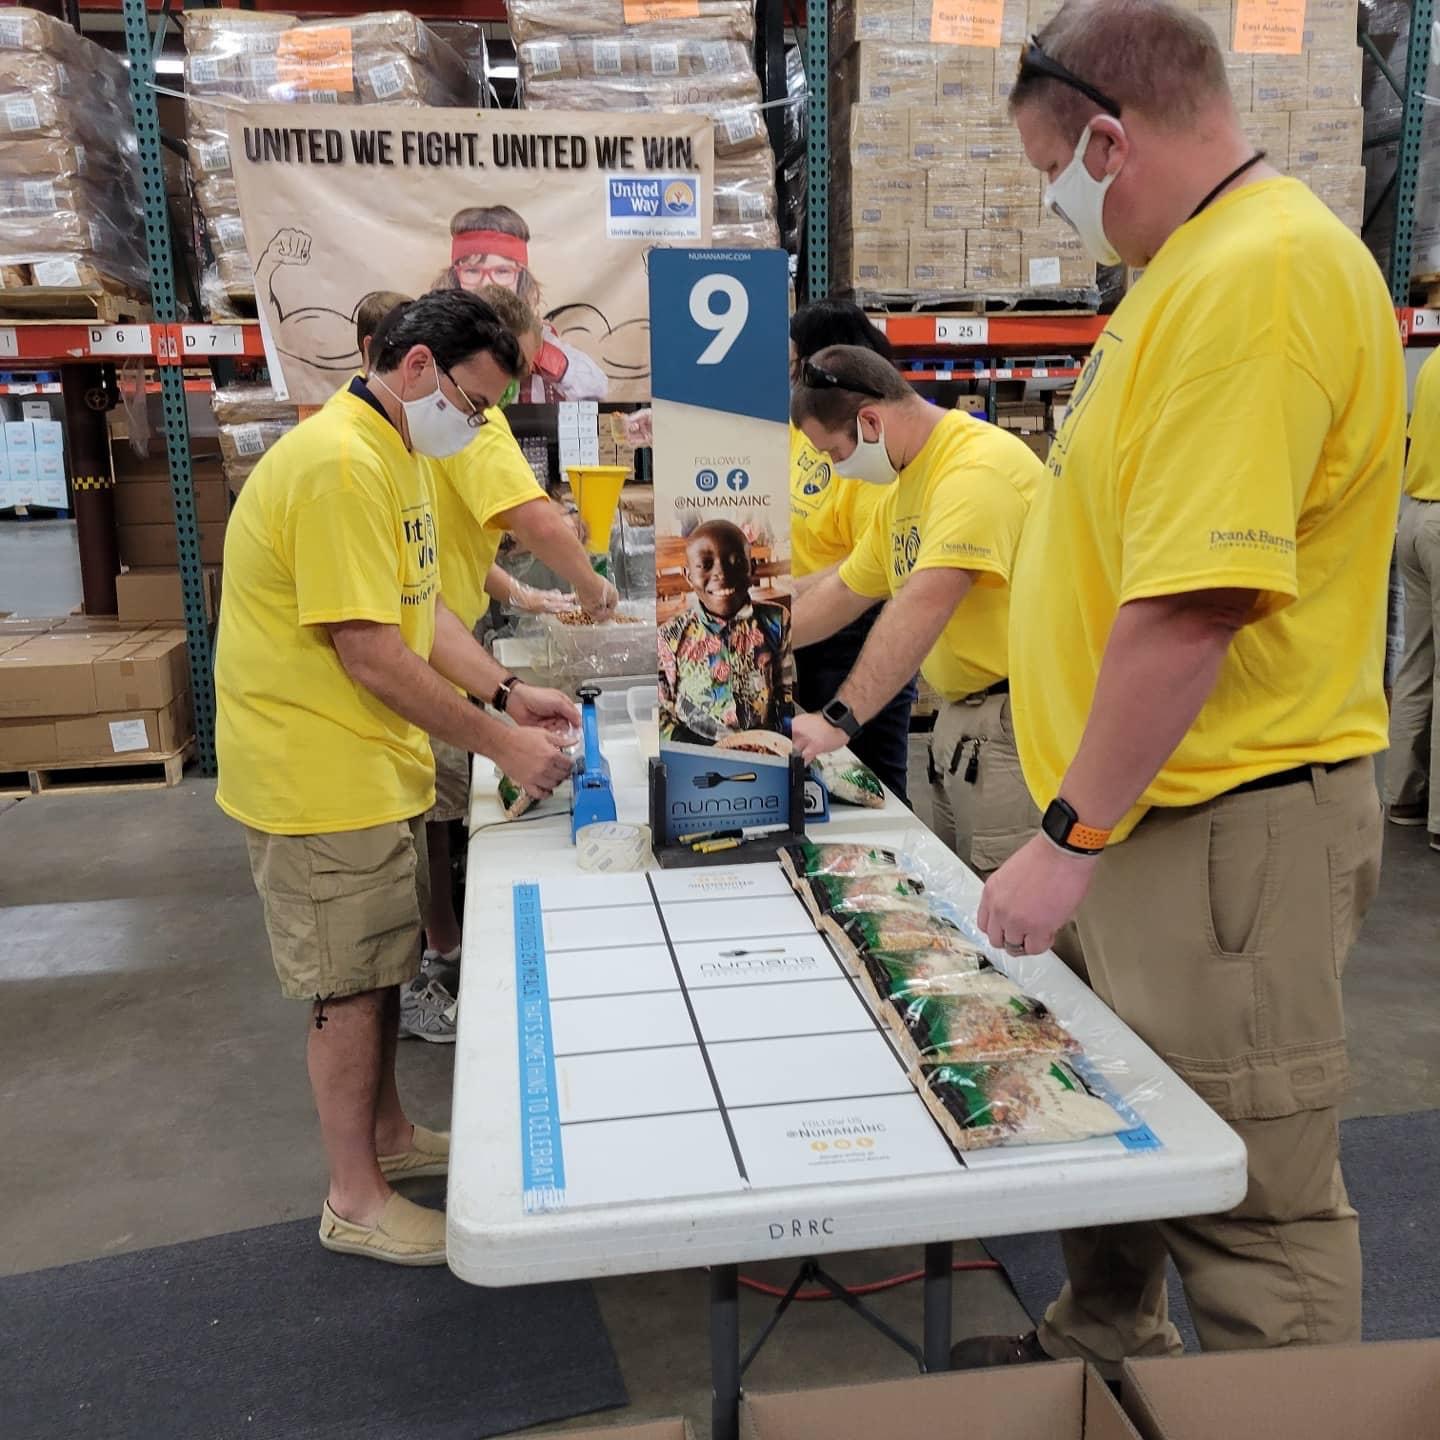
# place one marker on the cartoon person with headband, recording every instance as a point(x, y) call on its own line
point(490, 245)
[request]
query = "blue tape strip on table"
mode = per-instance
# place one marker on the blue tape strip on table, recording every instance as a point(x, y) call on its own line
point(542, 1150)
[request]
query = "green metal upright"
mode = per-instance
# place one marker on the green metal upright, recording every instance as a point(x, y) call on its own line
point(172, 384)
point(817, 149)
point(1412, 130)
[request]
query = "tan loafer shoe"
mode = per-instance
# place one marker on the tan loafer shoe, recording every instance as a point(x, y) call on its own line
point(429, 1154)
point(405, 1234)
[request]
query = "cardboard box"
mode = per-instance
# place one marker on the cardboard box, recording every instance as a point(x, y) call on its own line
point(878, 134)
point(1330, 25)
point(1334, 78)
point(22, 473)
point(1007, 70)
point(1326, 137)
point(954, 197)
point(878, 73)
point(655, 1430)
point(148, 502)
point(1039, 13)
point(125, 464)
point(89, 667)
point(1281, 82)
point(1341, 187)
point(1269, 130)
point(1217, 15)
point(877, 199)
point(1388, 1391)
point(965, 76)
point(1240, 73)
point(149, 546)
point(971, 405)
point(992, 259)
point(25, 744)
point(1064, 1400)
point(936, 137)
point(49, 437)
point(50, 489)
point(1051, 255)
point(852, 20)
point(874, 259)
point(145, 596)
point(937, 260)
point(992, 139)
point(1012, 197)
point(1012, 22)
point(20, 437)
point(36, 410)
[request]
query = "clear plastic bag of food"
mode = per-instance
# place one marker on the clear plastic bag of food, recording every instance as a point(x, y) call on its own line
point(987, 1017)
point(802, 859)
point(1033, 1100)
point(911, 930)
point(849, 780)
point(895, 974)
point(847, 893)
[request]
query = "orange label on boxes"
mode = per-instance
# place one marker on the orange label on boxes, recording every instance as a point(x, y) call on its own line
point(967, 22)
point(1269, 27)
point(316, 59)
point(639, 12)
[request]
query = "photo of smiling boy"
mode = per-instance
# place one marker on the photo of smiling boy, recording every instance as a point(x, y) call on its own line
point(724, 659)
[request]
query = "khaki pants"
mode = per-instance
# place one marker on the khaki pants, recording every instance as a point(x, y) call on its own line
point(983, 810)
point(1219, 933)
point(1412, 769)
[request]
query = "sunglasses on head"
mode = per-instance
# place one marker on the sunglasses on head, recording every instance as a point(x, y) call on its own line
point(1035, 64)
point(813, 377)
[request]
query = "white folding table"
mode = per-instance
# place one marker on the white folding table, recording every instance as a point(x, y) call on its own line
point(708, 1088)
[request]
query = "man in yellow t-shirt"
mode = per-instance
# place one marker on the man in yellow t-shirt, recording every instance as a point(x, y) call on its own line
point(1197, 646)
point(1412, 769)
point(828, 515)
point(484, 491)
point(336, 657)
point(938, 551)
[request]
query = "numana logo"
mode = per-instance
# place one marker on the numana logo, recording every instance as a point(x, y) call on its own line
point(706, 480)
point(738, 479)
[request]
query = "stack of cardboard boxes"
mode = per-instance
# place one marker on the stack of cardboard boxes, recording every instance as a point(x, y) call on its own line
point(32, 460)
point(251, 420)
point(149, 590)
point(84, 691)
point(932, 195)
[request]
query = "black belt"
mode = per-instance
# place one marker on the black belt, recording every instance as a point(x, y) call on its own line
point(1000, 687)
point(1280, 777)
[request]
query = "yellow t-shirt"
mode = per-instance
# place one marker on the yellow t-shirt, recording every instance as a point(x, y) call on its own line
point(489, 476)
point(1238, 424)
point(335, 523)
point(1422, 468)
point(960, 504)
point(828, 512)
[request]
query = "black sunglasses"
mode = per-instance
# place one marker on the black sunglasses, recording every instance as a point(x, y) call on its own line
point(1036, 64)
point(812, 377)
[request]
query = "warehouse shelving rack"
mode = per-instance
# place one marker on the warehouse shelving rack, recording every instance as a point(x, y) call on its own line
point(170, 345)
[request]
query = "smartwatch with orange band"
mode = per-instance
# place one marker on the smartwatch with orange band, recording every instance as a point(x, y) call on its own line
point(1062, 825)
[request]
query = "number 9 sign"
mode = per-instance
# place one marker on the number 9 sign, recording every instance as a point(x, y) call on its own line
point(719, 330)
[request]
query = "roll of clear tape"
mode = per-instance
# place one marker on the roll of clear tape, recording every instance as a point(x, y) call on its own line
point(609, 847)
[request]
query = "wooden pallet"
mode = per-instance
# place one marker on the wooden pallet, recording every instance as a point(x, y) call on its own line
point(64, 302)
point(1036, 306)
point(143, 771)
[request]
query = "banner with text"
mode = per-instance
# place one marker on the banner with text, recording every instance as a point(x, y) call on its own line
point(722, 535)
point(563, 208)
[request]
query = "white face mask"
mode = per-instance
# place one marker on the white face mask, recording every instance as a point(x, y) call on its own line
point(1079, 199)
point(436, 427)
point(868, 461)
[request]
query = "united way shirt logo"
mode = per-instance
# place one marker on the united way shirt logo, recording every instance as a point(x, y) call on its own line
point(904, 550)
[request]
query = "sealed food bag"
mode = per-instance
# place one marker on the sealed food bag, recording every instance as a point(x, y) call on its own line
point(1035, 1100)
point(986, 1018)
point(804, 858)
point(907, 930)
point(841, 895)
point(892, 975)
point(514, 800)
point(849, 781)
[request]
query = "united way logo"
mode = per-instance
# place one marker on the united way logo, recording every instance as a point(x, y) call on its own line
point(904, 550)
point(738, 479)
point(816, 480)
point(706, 480)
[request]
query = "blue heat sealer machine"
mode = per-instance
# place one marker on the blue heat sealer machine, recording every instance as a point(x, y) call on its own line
point(592, 799)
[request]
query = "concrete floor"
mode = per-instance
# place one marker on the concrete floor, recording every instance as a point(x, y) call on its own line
point(152, 1085)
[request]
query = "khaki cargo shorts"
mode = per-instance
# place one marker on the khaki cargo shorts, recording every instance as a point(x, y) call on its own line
point(343, 911)
point(452, 783)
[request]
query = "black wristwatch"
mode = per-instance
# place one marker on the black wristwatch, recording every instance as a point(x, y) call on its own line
point(503, 692)
point(841, 716)
point(1062, 825)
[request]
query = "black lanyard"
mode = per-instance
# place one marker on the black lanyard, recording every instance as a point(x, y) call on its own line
point(1235, 174)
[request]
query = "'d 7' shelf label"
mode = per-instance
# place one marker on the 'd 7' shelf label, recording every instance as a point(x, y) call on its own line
point(213, 340)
